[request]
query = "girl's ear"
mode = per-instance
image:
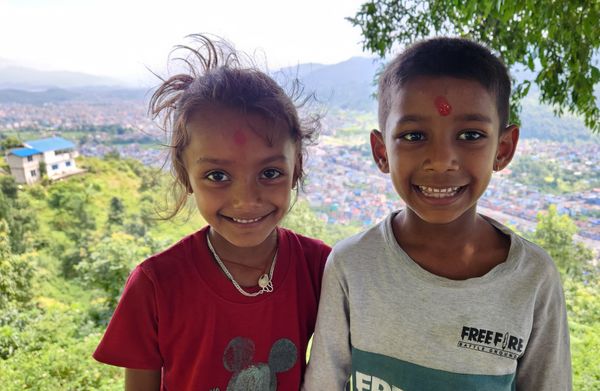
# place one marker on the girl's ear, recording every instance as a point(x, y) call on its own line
point(507, 145)
point(378, 151)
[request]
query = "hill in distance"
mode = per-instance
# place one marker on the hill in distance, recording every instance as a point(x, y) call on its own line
point(24, 78)
point(348, 85)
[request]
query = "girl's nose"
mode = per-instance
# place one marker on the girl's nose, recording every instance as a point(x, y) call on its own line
point(246, 193)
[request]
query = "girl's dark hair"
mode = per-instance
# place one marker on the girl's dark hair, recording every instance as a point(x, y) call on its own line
point(216, 74)
point(444, 56)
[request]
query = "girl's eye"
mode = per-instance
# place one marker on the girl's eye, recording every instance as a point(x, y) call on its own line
point(413, 136)
point(271, 173)
point(470, 135)
point(217, 176)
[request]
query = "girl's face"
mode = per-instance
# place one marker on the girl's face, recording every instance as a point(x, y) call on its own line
point(241, 181)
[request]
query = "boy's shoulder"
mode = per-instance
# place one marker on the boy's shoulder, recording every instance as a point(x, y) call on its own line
point(528, 258)
point(365, 244)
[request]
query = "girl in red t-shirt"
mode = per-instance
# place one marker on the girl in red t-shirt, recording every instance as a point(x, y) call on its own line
point(232, 306)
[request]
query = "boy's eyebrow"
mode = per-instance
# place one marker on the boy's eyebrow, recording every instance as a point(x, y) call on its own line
point(474, 117)
point(224, 162)
point(409, 118)
point(463, 117)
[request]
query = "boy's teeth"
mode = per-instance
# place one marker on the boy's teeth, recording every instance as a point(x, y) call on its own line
point(245, 221)
point(439, 192)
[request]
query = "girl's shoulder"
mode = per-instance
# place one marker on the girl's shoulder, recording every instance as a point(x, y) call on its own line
point(310, 246)
point(179, 254)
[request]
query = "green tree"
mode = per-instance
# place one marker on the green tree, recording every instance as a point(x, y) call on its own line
point(74, 217)
point(116, 211)
point(556, 39)
point(15, 273)
point(9, 142)
point(109, 263)
point(17, 213)
point(302, 219)
point(8, 187)
point(554, 233)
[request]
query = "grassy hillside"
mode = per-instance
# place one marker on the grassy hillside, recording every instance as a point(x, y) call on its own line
point(79, 238)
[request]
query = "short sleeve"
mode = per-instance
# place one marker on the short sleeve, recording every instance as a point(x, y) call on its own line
point(131, 339)
point(546, 364)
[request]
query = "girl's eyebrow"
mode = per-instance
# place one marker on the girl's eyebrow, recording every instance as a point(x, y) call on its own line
point(224, 162)
point(210, 160)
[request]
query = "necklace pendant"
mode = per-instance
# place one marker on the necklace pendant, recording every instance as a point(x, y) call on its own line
point(264, 280)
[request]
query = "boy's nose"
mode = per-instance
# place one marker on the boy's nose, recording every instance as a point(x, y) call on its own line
point(441, 157)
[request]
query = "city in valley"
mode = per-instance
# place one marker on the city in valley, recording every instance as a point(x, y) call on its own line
point(343, 185)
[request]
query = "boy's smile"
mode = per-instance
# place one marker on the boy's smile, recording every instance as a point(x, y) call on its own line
point(241, 170)
point(440, 145)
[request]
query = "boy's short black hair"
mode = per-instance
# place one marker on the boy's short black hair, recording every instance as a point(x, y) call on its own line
point(444, 56)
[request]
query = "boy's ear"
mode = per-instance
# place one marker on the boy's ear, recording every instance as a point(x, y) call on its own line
point(507, 145)
point(379, 152)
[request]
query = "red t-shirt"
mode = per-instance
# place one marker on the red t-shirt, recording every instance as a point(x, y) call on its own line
point(181, 314)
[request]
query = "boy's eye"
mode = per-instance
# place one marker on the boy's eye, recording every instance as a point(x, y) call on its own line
point(271, 173)
point(217, 176)
point(413, 136)
point(470, 135)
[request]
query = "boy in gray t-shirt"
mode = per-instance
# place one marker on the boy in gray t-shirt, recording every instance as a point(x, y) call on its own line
point(438, 297)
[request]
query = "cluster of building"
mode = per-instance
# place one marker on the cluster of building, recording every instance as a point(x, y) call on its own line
point(346, 188)
point(76, 115)
point(343, 184)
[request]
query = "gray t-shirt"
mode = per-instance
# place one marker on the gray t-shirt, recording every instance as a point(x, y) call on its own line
point(396, 327)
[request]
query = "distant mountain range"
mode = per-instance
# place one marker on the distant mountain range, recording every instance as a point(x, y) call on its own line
point(348, 85)
point(23, 78)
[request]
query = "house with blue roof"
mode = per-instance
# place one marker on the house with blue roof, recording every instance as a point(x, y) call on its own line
point(54, 155)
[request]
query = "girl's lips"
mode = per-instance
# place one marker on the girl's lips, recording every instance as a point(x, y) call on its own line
point(246, 220)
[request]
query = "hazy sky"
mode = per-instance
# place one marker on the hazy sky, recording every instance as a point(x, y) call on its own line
point(119, 37)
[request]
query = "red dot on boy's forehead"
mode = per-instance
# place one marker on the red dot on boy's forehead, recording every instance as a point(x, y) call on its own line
point(442, 105)
point(239, 138)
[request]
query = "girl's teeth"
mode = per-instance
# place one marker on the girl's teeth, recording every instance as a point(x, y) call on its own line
point(245, 221)
point(439, 192)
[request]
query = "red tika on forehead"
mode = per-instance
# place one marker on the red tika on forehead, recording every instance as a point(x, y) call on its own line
point(442, 106)
point(239, 137)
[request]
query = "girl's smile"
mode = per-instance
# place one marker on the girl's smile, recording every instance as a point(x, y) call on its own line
point(241, 171)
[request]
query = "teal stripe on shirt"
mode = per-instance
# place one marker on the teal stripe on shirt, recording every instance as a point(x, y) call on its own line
point(376, 372)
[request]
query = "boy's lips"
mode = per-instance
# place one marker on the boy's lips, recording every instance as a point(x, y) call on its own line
point(439, 192)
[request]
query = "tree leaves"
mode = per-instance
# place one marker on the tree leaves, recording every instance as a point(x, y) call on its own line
point(562, 35)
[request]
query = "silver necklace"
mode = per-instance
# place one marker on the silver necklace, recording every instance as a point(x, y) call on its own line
point(265, 282)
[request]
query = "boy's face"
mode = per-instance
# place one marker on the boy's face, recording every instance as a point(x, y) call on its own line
point(440, 145)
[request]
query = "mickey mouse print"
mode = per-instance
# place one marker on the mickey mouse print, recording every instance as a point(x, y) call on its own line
point(251, 376)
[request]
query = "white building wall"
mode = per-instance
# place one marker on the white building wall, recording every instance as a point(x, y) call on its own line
point(60, 165)
point(23, 170)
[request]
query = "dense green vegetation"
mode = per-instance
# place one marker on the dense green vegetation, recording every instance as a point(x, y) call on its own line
point(550, 176)
point(66, 249)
